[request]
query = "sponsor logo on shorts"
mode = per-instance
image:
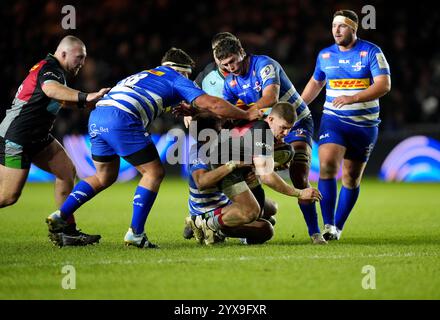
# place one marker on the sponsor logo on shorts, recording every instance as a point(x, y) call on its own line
point(323, 136)
point(94, 131)
point(300, 132)
point(369, 149)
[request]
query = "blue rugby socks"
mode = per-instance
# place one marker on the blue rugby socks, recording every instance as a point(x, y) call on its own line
point(346, 202)
point(142, 203)
point(328, 188)
point(311, 217)
point(80, 194)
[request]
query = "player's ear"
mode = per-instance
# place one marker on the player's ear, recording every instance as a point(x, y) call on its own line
point(270, 118)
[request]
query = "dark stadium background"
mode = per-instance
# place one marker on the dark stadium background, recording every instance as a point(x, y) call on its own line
point(124, 37)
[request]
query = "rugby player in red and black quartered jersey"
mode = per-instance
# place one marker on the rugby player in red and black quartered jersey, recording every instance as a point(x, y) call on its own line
point(31, 116)
point(25, 132)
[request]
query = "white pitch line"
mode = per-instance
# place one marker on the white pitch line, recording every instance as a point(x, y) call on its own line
point(223, 259)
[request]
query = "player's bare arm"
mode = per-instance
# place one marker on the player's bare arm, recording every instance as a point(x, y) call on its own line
point(275, 182)
point(209, 178)
point(312, 89)
point(269, 97)
point(60, 92)
point(225, 109)
point(381, 86)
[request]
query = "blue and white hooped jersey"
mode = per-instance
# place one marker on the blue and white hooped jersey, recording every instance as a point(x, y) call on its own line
point(201, 202)
point(263, 71)
point(146, 94)
point(347, 73)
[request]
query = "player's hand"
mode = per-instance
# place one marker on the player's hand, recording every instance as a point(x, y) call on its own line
point(254, 114)
point(310, 194)
point(95, 96)
point(184, 109)
point(341, 101)
point(251, 177)
point(187, 121)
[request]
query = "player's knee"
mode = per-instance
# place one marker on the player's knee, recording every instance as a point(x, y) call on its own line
point(328, 168)
point(302, 157)
point(250, 212)
point(106, 180)
point(270, 208)
point(9, 199)
point(300, 181)
point(66, 175)
point(351, 179)
point(159, 174)
point(265, 233)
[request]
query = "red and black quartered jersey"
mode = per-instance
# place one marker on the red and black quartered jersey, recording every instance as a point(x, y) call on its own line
point(245, 142)
point(32, 113)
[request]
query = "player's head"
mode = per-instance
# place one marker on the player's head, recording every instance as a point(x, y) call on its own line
point(207, 121)
point(178, 60)
point(71, 53)
point(214, 42)
point(231, 55)
point(281, 119)
point(344, 27)
point(219, 37)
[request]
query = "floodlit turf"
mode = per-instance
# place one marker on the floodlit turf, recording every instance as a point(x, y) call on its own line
point(394, 228)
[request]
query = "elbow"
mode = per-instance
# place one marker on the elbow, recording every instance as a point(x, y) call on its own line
point(201, 185)
point(47, 90)
point(387, 88)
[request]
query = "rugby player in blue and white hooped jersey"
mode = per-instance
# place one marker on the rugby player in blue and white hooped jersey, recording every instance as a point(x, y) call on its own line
point(356, 75)
point(206, 200)
point(119, 125)
point(211, 80)
point(260, 82)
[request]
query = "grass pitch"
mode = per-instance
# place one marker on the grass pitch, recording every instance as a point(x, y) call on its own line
point(394, 228)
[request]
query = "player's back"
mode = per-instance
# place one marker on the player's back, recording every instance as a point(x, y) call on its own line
point(146, 94)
